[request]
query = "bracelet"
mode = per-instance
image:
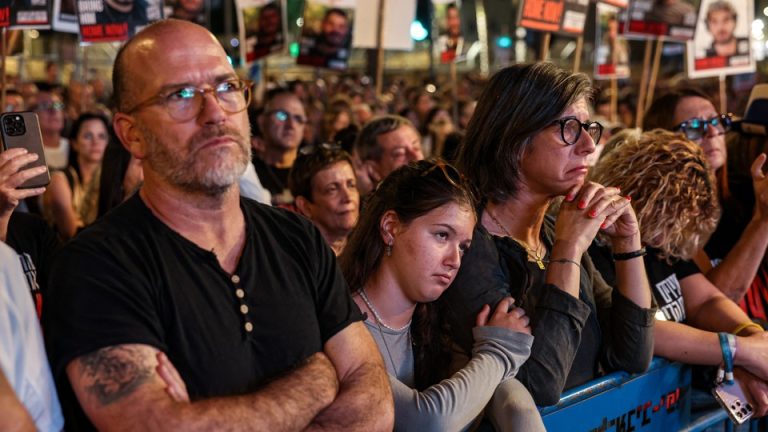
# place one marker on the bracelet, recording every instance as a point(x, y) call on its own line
point(743, 326)
point(629, 255)
point(726, 340)
point(565, 261)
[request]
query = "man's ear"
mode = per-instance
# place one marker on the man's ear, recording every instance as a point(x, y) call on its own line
point(128, 134)
point(304, 206)
point(389, 226)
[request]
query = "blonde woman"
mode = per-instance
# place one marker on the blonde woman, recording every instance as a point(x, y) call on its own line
point(674, 196)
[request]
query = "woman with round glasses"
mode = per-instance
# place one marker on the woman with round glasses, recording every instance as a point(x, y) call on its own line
point(401, 257)
point(732, 256)
point(526, 146)
point(674, 195)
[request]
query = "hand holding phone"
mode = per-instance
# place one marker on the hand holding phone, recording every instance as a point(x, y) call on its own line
point(13, 173)
point(22, 130)
point(733, 400)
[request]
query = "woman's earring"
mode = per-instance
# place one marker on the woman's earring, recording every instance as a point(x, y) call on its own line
point(388, 248)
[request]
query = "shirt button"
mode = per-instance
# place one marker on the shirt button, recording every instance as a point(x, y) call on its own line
point(240, 293)
point(244, 309)
point(235, 279)
point(248, 327)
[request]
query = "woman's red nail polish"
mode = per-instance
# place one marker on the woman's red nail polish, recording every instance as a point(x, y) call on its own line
point(629, 198)
point(602, 225)
point(592, 213)
point(582, 204)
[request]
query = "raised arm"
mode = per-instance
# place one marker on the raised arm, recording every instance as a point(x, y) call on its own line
point(734, 275)
point(119, 389)
point(364, 402)
point(11, 176)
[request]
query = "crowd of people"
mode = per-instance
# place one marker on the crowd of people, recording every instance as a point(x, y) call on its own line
point(320, 259)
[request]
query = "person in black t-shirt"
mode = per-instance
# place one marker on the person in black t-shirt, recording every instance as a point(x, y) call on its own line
point(244, 300)
point(282, 127)
point(673, 192)
point(27, 234)
point(730, 260)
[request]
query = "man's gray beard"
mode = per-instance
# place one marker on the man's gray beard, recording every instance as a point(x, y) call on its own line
point(190, 177)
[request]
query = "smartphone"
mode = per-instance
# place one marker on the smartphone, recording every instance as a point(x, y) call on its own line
point(22, 130)
point(732, 398)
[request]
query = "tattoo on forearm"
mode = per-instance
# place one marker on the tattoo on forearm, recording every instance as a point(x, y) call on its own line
point(114, 372)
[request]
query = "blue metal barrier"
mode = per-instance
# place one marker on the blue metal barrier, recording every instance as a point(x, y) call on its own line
point(658, 400)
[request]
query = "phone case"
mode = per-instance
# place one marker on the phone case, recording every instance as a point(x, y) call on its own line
point(732, 398)
point(22, 130)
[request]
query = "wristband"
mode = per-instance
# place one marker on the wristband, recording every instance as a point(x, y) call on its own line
point(743, 326)
point(726, 340)
point(629, 255)
point(565, 261)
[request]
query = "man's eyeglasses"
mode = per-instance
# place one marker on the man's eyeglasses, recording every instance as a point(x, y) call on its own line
point(696, 128)
point(571, 127)
point(49, 106)
point(186, 103)
point(283, 116)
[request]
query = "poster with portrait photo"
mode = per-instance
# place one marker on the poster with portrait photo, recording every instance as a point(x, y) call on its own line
point(188, 10)
point(675, 19)
point(326, 36)
point(449, 43)
point(115, 20)
point(64, 14)
point(612, 49)
point(722, 45)
point(27, 14)
point(262, 28)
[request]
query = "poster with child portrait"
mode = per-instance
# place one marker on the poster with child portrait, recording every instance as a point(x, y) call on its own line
point(262, 25)
point(675, 19)
point(722, 44)
point(326, 36)
point(450, 42)
point(612, 49)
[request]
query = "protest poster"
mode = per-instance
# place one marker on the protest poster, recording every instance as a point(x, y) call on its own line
point(115, 20)
point(611, 48)
point(64, 15)
point(25, 14)
point(398, 17)
point(262, 28)
point(722, 43)
point(449, 41)
point(556, 16)
point(675, 19)
point(326, 33)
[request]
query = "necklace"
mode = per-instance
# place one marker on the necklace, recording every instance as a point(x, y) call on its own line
point(380, 323)
point(376, 315)
point(533, 254)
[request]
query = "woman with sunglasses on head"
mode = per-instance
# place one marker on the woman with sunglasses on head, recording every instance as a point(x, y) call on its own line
point(526, 146)
point(731, 258)
point(401, 257)
point(673, 192)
